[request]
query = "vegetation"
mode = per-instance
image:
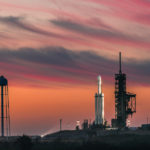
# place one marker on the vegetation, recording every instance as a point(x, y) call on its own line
point(24, 143)
point(121, 142)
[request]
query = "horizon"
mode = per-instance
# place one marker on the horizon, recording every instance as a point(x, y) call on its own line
point(52, 52)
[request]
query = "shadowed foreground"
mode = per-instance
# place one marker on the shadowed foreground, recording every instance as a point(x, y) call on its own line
point(110, 142)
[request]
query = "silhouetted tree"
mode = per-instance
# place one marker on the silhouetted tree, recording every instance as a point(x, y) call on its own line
point(25, 142)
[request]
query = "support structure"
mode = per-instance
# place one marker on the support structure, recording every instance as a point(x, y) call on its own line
point(2, 111)
point(5, 116)
point(125, 102)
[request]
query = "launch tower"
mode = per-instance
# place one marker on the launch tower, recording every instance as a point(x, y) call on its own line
point(125, 102)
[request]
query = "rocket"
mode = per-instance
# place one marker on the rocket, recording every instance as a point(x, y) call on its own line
point(99, 104)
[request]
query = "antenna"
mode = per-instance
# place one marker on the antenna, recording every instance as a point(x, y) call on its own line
point(120, 63)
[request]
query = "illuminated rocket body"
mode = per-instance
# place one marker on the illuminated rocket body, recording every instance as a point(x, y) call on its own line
point(99, 104)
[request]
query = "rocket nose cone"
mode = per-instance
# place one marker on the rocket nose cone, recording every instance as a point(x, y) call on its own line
point(99, 77)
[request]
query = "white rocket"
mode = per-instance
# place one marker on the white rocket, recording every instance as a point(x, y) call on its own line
point(99, 104)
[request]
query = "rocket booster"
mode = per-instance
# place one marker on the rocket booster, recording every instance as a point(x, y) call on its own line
point(99, 104)
point(99, 85)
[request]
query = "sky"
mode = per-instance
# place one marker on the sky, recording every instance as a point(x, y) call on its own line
point(52, 52)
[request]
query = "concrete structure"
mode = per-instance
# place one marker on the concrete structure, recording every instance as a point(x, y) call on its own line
point(99, 104)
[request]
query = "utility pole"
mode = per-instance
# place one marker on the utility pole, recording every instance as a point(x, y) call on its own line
point(2, 111)
point(60, 124)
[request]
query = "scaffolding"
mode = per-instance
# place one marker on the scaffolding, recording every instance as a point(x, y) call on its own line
point(125, 102)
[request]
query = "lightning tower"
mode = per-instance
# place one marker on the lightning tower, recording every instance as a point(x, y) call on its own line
point(99, 104)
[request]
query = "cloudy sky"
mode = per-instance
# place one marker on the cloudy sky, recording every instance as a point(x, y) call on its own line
point(52, 52)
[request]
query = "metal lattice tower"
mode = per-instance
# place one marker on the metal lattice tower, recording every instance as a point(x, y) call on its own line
point(5, 115)
point(125, 103)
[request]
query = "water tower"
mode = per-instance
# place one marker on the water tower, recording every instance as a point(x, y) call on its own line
point(5, 116)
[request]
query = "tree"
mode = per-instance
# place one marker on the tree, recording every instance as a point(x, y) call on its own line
point(25, 142)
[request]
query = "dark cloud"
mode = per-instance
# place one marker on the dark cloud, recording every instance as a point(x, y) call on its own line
point(98, 22)
point(71, 65)
point(20, 23)
point(58, 56)
point(107, 33)
point(51, 55)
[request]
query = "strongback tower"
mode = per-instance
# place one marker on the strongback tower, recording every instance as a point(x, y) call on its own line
point(125, 103)
point(5, 116)
point(120, 96)
point(99, 104)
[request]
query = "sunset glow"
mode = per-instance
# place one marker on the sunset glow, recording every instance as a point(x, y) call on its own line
point(52, 52)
